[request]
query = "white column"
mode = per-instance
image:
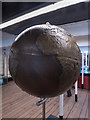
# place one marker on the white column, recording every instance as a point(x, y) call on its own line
point(76, 91)
point(86, 59)
point(61, 106)
point(82, 69)
point(5, 65)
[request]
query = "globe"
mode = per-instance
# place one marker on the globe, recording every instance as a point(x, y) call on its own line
point(45, 60)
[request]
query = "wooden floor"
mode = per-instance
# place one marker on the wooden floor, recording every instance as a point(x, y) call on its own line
point(18, 104)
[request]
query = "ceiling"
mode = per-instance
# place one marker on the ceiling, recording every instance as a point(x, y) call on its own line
point(70, 14)
point(12, 10)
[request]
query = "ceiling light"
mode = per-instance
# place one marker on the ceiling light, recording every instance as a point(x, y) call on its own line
point(49, 8)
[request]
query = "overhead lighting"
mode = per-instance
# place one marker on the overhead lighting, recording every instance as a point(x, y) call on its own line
point(47, 9)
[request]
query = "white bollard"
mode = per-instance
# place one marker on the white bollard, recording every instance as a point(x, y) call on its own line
point(61, 106)
point(76, 91)
point(82, 69)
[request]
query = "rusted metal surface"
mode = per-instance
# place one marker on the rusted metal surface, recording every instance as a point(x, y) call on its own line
point(45, 60)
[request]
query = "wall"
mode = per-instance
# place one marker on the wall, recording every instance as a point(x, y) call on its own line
point(7, 39)
point(77, 28)
point(82, 40)
point(5, 43)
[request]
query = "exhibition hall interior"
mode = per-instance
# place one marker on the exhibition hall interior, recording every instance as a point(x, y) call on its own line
point(44, 60)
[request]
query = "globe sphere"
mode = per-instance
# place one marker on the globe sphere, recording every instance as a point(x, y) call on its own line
point(45, 60)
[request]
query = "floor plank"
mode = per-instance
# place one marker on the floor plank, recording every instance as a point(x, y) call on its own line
point(77, 107)
point(18, 104)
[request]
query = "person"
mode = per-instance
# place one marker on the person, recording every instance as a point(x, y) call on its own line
point(69, 93)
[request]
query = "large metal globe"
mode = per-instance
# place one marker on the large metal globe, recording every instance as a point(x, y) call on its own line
point(45, 60)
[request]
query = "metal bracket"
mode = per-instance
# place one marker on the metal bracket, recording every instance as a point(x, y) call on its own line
point(42, 100)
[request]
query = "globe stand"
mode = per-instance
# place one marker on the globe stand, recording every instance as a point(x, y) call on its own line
point(43, 111)
point(42, 101)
